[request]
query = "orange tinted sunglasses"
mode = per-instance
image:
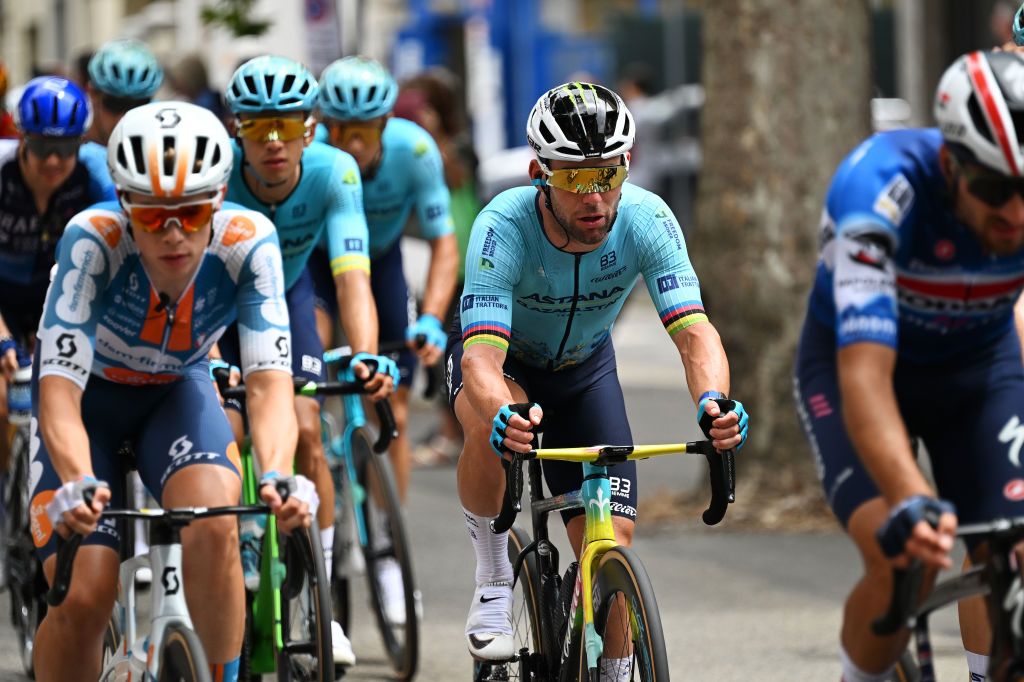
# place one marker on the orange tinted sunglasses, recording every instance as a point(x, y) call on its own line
point(151, 218)
point(274, 128)
point(341, 134)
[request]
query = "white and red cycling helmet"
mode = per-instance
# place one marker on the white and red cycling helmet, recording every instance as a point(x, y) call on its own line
point(979, 106)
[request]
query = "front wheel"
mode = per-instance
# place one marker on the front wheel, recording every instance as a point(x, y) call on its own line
point(181, 657)
point(626, 617)
point(306, 655)
point(388, 554)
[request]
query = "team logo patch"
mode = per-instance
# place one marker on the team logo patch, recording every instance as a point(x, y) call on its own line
point(238, 230)
point(108, 228)
point(944, 249)
point(1014, 490)
point(895, 199)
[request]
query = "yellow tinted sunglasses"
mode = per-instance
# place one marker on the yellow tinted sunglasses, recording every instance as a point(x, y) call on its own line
point(274, 129)
point(341, 134)
point(586, 180)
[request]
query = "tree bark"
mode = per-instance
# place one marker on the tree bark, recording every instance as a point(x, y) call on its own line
point(788, 85)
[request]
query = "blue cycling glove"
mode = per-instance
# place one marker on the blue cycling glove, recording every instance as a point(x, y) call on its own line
point(430, 327)
point(498, 425)
point(384, 364)
point(898, 528)
point(704, 419)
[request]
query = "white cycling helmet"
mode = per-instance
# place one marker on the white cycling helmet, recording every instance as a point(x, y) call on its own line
point(579, 121)
point(169, 149)
point(979, 106)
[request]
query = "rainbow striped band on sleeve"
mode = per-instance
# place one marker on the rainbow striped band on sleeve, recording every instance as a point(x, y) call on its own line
point(492, 333)
point(682, 315)
point(350, 261)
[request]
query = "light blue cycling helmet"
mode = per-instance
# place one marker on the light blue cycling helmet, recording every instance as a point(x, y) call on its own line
point(271, 83)
point(357, 88)
point(126, 68)
point(54, 107)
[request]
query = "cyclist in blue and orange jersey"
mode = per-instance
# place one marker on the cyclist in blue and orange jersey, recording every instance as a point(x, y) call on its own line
point(142, 289)
point(401, 168)
point(43, 183)
point(909, 332)
point(307, 190)
point(123, 74)
point(548, 270)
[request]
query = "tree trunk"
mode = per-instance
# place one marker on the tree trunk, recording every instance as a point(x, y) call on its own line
point(788, 87)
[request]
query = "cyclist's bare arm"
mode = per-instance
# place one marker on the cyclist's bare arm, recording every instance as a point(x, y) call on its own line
point(1018, 318)
point(9, 361)
point(483, 382)
point(444, 267)
point(270, 400)
point(707, 368)
point(358, 313)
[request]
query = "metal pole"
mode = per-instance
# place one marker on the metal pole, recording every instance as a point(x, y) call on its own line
point(910, 59)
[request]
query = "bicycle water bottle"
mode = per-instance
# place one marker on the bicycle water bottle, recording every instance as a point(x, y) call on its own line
point(19, 395)
point(250, 534)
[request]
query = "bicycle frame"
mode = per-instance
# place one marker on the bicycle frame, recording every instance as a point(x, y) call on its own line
point(594, 496)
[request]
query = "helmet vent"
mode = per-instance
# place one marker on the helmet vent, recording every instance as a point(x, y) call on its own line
point(289, 80)
point(980, 124)
point(74, 114)
point(268, 82)
point(117, 71)
point(372, 93)
point(201, 143)
point(250, 84)
point(121, 158)
point(140, 160)
point(36, 114)
point(305, 87)
point(169, 155)
point(53, 111)
point(355, 94)
point(216, 155)
point(548, 137)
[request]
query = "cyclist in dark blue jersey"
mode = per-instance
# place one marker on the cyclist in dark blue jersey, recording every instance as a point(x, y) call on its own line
point(43, 183)
point(910, 332)
point(548, 270)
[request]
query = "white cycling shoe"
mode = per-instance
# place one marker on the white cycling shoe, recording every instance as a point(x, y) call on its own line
point(343, 653)
point(489, 627)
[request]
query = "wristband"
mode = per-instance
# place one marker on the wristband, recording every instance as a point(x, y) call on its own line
point(717, 395)
point(7, 343)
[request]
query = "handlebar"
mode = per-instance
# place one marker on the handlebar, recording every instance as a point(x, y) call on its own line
point(388, 426)
point(721, 472)
point(179, 517)
point(433, 385)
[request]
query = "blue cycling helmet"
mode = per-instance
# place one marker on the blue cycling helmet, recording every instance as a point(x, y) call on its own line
point(357, 88)
point(54, 107)
point(126, 68)
point(271, 83)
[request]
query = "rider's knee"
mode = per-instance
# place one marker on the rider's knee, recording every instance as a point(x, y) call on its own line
point(84, 611)
point(214, 539)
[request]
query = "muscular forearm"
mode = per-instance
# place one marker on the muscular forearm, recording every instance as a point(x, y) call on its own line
point(269, 396)
point(61, 427)
point(357, 310)
point(483, 380)
point(700, 349)
point(444, 266)
point(875, 427)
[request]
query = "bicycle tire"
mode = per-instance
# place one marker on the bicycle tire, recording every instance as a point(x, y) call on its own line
point(24, 576)
point(306, 654)
point(182, 658)
point(245, 673)
point(401, 640)
point(620, 572)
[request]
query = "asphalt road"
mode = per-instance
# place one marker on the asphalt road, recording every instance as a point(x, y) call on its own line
point(735, 606)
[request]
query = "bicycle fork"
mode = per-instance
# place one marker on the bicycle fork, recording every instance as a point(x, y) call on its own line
point(598, 538)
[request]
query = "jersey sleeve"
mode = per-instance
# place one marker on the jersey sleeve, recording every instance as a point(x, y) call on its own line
point(493, 262)
point(867, 203)
point(347, 234)
point(67, 335)
point(666, 268)
point(263, 326)
point(101, 186)
point(433, 200)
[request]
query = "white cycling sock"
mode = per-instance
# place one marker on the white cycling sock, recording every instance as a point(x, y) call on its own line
point(492, 563)
point(327, 544)
point(380, 530)
point(851, 673)
point(977, 666)
point(616, 669)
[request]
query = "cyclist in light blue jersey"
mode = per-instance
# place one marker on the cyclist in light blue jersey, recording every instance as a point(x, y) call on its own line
point(141, 290)
point(547, 271)
point(401, 169)
point(123, 74)
point(307, 189)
